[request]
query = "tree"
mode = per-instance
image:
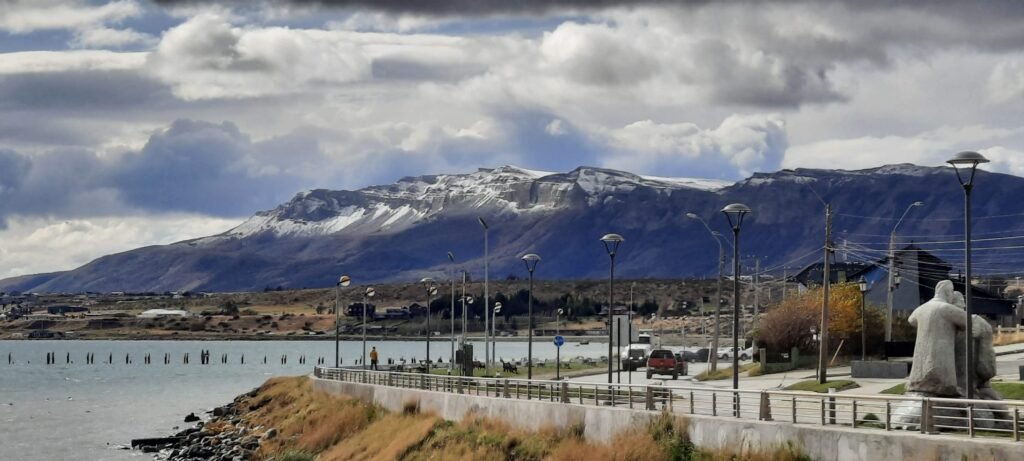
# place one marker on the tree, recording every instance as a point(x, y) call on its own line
point(229, 307)
point(790, 323)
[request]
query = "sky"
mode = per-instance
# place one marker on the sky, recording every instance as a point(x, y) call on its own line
point(129, 122)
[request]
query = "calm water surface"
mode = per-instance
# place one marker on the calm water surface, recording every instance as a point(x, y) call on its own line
point(85, 412)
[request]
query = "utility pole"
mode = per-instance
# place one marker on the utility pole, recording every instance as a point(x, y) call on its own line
point(827, 273)
point(891, 295)
point(718, 308)
point(757, 287)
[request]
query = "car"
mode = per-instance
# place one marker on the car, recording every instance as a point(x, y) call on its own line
point(681, 364)
point(689, 356)
point(633, 359)
point(663, 362)
point(726, 353)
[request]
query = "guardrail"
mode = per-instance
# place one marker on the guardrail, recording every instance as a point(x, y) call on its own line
point(975, 418)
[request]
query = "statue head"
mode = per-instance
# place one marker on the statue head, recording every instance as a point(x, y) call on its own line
point(944, 291)
point(958, 300)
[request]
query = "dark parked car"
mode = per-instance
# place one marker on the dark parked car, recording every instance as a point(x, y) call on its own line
point(689, 356)
point(634, 360)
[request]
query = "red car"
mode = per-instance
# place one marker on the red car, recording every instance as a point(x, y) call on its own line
point(664, 362)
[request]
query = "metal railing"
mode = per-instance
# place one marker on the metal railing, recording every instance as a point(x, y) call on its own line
point(976, 418)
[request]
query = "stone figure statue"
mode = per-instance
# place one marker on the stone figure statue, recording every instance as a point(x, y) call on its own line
point(984, 353)
point(933, 371)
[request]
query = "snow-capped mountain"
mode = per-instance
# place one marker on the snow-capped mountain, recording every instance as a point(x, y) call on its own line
point(403, 231)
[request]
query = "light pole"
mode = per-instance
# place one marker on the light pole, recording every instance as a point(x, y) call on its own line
point(466, 299)
point(863, 285)
point(558, 349)
point(735, 213)
point(531, 261)
point(965, 160)
point(611, 245)
point(366, 306)
point(494, 325)
point(629, 332)
point(893, 274)
point(344, 281)
point(431, 288)
point(488, 359)
point(451, 275)
point(713, 354)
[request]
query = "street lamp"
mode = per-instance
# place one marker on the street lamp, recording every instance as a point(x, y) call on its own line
point(494, 325)
point(531, 261)
point(968, 160)
point(893, 274)
point(735, 213)
point(451, 275)
point(611, 245)
point(558, 349)
point(863, 285)
point(431, 288)
point(487, 355)
point(344, 281)
point(629, 332)
point(718, 295)
point(366, 306)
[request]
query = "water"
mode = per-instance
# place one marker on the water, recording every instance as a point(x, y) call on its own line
point(80, 411)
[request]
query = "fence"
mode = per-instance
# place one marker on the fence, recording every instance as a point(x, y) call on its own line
point(975, 418)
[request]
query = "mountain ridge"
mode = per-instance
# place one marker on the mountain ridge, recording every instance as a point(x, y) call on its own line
point(403, 230)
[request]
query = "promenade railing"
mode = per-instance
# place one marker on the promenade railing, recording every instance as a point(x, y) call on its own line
point(975, 418)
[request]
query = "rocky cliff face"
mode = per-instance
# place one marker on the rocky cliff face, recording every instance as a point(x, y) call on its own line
point(403, 231)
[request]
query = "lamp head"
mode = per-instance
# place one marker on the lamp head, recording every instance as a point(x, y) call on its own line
point(531, 261)
point(917, 204)
point(497, 307)
point(612, 242)
point(344, 281)
point(451, 256)
point(692, 216)
point(971, 159)
point(482, 223)
point(735, 212)
point(370, 292)
point(863, 284)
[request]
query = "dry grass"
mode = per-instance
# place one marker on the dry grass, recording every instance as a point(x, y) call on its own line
point(331, 428)
point(1002, 339)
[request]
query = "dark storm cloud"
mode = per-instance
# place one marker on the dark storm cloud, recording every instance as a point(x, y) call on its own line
point(192, 166)
point(455, 7)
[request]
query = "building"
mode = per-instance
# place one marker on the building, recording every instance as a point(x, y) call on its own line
point(919, 271)
point(63, 310)
point(163, 313)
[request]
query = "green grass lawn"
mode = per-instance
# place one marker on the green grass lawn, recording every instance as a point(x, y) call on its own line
point(721, 373)
point(814, 386)
point(1009, 391)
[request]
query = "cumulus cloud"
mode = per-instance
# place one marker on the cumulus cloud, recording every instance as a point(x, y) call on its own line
point(88, 22)
point(741, 145)
point(40, 244)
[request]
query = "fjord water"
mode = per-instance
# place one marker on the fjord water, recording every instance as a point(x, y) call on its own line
point(86, 411)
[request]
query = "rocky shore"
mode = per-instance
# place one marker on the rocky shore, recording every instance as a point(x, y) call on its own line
point(224, 437)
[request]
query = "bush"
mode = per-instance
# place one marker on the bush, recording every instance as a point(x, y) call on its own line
point(790, 323)
point(296, 455)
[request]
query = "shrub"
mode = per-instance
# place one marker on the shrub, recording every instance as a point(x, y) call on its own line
point(296, 455)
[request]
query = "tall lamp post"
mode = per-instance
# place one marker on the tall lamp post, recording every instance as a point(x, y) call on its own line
point(863, 285)
point(629, 332)
point(488, 359)
point(494, 325)
point(558, 349)
point(366, 306)
point(967, 160)
point(713, 355)
point(611, 245)
point(735, 213)
point(893, 273)
point(451, 275)
point(431, 288)
point(531, 261)
point(344, 281)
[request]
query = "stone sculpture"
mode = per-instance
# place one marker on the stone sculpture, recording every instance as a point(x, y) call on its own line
point(933, 371)
point(939, 368)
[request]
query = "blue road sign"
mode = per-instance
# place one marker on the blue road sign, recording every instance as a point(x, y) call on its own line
point(559, 341)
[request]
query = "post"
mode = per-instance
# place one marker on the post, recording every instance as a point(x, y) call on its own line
point(863, 328)
point(337, 328)
point(529, 332)
point(968, 337)
point(429, 361)
point(618, 350)
point(611, 301)
point(891, 295)
point(488, 349)
point(757, 287)
point(629, 332)
point(451, 273)
point(363, 362)
point(558, 349)
point(827, 274)
point(718, 307)
point(735, 308)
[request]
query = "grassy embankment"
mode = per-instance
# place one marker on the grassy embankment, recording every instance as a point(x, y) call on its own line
point(1009, 391)
point(814, 386)
point(313, 425)
point(723, 373)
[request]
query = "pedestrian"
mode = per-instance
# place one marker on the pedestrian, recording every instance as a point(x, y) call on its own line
point(373, 358)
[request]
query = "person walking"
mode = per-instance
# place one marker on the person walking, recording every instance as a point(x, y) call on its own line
point(373, 358)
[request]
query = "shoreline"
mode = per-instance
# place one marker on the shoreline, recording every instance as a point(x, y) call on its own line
point(478, 339)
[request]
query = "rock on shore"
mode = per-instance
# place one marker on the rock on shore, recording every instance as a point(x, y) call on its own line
point(225, 437)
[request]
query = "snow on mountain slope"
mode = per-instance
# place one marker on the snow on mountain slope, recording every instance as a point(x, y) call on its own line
point(399, 206)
